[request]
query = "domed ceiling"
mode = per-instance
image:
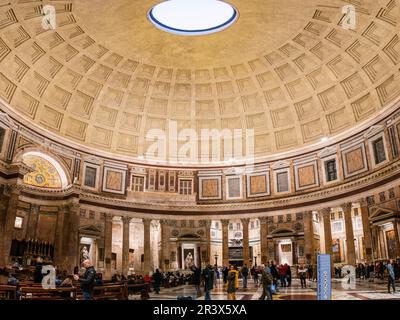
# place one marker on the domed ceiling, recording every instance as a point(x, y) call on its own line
point(289, 69)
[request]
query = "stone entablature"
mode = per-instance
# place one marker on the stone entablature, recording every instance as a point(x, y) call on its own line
point(360, 162)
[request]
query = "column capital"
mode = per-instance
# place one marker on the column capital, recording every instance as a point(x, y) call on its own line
point(225, 222)
point(126, 220)
point(146, 221)
point(107, 216)
point(245, 221)
point(363, 202)
point(263, 220)
point(325, 211)
point(346, 207)
point(307, 214)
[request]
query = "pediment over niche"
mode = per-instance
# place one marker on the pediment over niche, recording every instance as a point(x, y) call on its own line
point(377, 212)
point(6, 120)
point(90, 229)
point(327, 152)
point(373, 131)
point(280, 165)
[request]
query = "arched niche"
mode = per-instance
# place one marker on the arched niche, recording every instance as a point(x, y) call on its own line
point(47, 172)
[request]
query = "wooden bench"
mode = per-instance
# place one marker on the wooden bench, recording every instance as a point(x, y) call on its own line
point(8, 292)
point(39, 293)
point(110, 292)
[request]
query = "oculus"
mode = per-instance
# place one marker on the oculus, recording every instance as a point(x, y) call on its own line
point(193, 17)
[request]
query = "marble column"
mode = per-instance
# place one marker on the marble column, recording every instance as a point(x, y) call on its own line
point(351, 249)
point(9, 223)
point(326, 217)
point(366, 230)
point(309, 237)
point(126, 221)
point(246, 242)
point(165, 244)
point(225, 243)
point(3, 213)
point(108, 244)
point(208, 238)
point(147, 247)
point(264, 240)
point(33, 219)
point(397, 235)
point(59, 252)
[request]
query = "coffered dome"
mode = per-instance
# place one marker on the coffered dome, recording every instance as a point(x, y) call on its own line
point(106, 75)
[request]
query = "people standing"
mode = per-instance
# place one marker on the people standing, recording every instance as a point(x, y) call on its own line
point(157, 278)
point(254, 274)
point(87, 280)
point(225, 271)
point(267, 281)
point(245, 274)
point(232, 284)
point(196, 279)
point(303, 275)
point(37, 274)
point(391, 276)
point(282, 274)
point(288, 275)
point(208, 277)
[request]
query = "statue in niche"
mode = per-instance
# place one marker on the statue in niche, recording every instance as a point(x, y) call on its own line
point(84, 254)
point(189, 261)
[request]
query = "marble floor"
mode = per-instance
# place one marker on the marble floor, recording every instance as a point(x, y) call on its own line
point(363, 291)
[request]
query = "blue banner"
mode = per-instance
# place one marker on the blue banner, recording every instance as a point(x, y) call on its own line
point(324, 277)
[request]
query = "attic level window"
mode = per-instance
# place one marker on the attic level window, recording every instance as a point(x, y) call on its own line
point(379, 151)
point(193, 17)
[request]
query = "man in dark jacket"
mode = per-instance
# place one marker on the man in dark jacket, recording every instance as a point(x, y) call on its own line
point(267, 281)
point(196, 279)
point(87, 280)
point(245, 274)
point(208, 277)
point(37, 274)
point(157, 278)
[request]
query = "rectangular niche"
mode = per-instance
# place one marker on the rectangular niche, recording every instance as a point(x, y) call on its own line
point(282, 181)
point(258, 185)
point(306, 175)
point(354, 160)
point(114, 180)
point(210, 188)
point(378, 150)
point(234, 187)
point(91, 174)
point(330, 169)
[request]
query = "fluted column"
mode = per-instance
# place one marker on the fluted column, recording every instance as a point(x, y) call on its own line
point(225, 243)
point(264, 240)
point(108, 244)
point(326, 216)
point(3, 213)
point(366, 230)
point(351, 249)
point(208, 237)
point(165, 244)
point(59, 253)
point(126, 221)
point(33, 219)
point(397, 236)
point(9, 223)
point(147, 247)
point(246, 241)
point(309, 237)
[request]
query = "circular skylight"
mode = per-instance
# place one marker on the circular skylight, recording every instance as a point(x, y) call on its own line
point(193, 17)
